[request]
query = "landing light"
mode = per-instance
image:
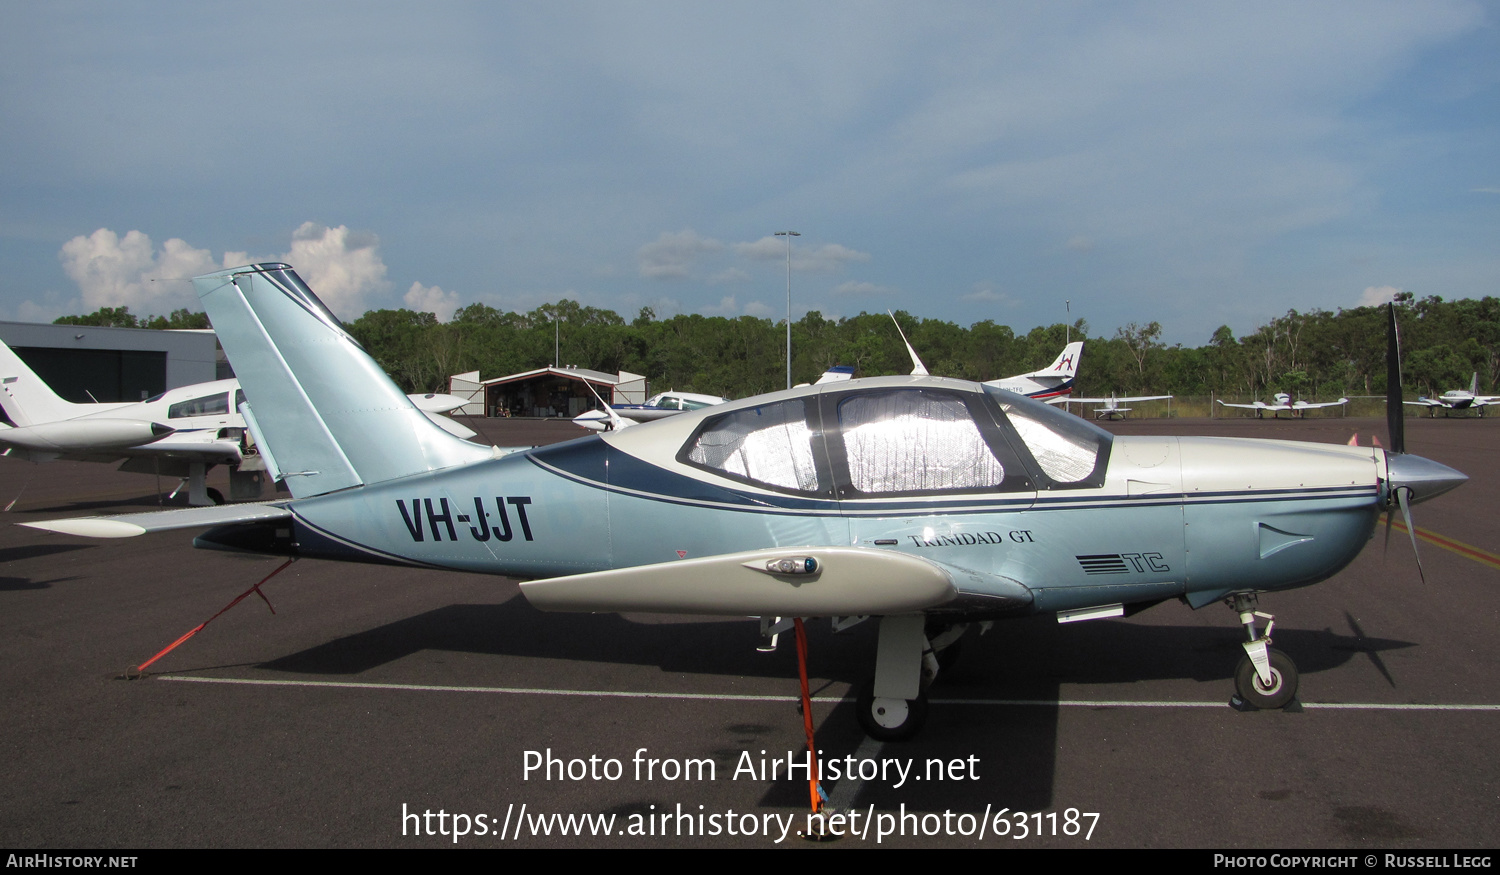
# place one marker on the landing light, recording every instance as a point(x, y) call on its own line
point(792, 565)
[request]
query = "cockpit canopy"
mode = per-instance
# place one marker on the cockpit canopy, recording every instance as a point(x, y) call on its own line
point(940, 438)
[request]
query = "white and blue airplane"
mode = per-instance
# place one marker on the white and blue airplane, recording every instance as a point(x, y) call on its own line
point(1052, 382)
point(1457, 399)
point(181, 433)
point(925, 502)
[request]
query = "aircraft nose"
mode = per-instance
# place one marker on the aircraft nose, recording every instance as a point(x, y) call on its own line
point(1424, 477)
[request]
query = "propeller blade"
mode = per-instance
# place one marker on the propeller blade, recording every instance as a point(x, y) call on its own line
point(1402, 498)
point(1390, 514)
point(1395, 419)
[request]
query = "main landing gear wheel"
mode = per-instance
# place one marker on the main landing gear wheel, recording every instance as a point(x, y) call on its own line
point(1276, 694)
point(890, 719)
point(215, 495)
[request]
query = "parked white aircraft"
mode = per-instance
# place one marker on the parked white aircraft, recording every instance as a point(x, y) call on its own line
point(1283, 401)
point(1054, 381)
point(1109, 408)
point(181, 433)
point(659, 406)
point(666, 404)
point(1457, 399)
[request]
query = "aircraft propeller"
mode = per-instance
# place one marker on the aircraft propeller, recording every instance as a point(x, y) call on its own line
point(1411, 478)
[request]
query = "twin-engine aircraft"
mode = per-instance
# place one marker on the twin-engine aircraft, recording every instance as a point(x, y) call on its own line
point(1457, 399)
point(1282, 402)
point(182, 432)
point(925, 502)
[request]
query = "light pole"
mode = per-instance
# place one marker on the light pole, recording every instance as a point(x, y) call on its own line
point(788, 235)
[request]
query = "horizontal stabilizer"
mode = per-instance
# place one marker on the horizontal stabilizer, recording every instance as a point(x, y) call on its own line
point(437, 402)
point(130, 525)
point(846, 581)
point(450, 425)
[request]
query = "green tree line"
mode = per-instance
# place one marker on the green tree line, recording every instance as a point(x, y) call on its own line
point(1317, 354)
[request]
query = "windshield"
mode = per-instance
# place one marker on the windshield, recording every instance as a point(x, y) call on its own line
point(1069, 450)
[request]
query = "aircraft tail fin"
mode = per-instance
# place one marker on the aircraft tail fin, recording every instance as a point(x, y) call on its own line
point(1474, 384)
point(1065, 366)
point(331, 415)
point(27, 398)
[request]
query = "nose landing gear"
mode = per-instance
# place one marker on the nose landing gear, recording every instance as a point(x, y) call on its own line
point(1265, 678)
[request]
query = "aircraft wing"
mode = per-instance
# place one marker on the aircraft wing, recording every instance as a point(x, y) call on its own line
point(1258, 405)
point(843, 581)
point(1123, 399)
point(1303, 405)
point(130, 525)
point(1425, 402)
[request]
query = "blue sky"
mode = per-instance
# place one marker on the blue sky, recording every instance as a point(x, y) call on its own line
point(1197, 163)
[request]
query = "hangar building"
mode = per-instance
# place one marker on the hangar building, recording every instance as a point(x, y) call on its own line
point(544, 392)
point(83, 363)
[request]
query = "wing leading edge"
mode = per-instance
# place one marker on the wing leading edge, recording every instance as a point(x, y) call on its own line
point(845, 581)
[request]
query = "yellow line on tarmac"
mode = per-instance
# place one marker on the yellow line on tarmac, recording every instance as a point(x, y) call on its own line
point(1483, 557)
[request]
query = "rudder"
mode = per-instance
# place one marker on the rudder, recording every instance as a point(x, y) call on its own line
point(330, 414)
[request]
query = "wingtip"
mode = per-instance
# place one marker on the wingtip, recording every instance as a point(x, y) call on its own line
point(89, 527)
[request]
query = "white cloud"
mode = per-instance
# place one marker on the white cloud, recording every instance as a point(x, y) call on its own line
point(826, 257)
point(829, 256)
point(341, 266)
point(764, 249)
point(984, 293)
point(860, 288)
point(727, 306)
point(731, 275)
point(128, 272)
point(431, 299)
point(761, 311)
point(671, 255)
point(1374, 296)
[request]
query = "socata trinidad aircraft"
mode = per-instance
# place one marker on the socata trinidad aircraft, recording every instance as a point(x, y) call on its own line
point(926, 502)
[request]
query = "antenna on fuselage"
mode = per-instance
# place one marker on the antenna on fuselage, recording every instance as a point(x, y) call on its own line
point(917, 368)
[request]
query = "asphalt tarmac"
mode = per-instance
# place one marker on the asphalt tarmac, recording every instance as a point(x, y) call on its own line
point(384, 707)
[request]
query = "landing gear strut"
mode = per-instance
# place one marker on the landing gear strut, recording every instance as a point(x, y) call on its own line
point(893, 706)
point(1265, 678)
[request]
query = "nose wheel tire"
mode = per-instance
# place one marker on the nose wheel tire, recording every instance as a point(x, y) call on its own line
point(889, 719)
point(1276, 694)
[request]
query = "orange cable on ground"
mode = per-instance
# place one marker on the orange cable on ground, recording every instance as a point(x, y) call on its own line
point(814, 791)
point(198, 628)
